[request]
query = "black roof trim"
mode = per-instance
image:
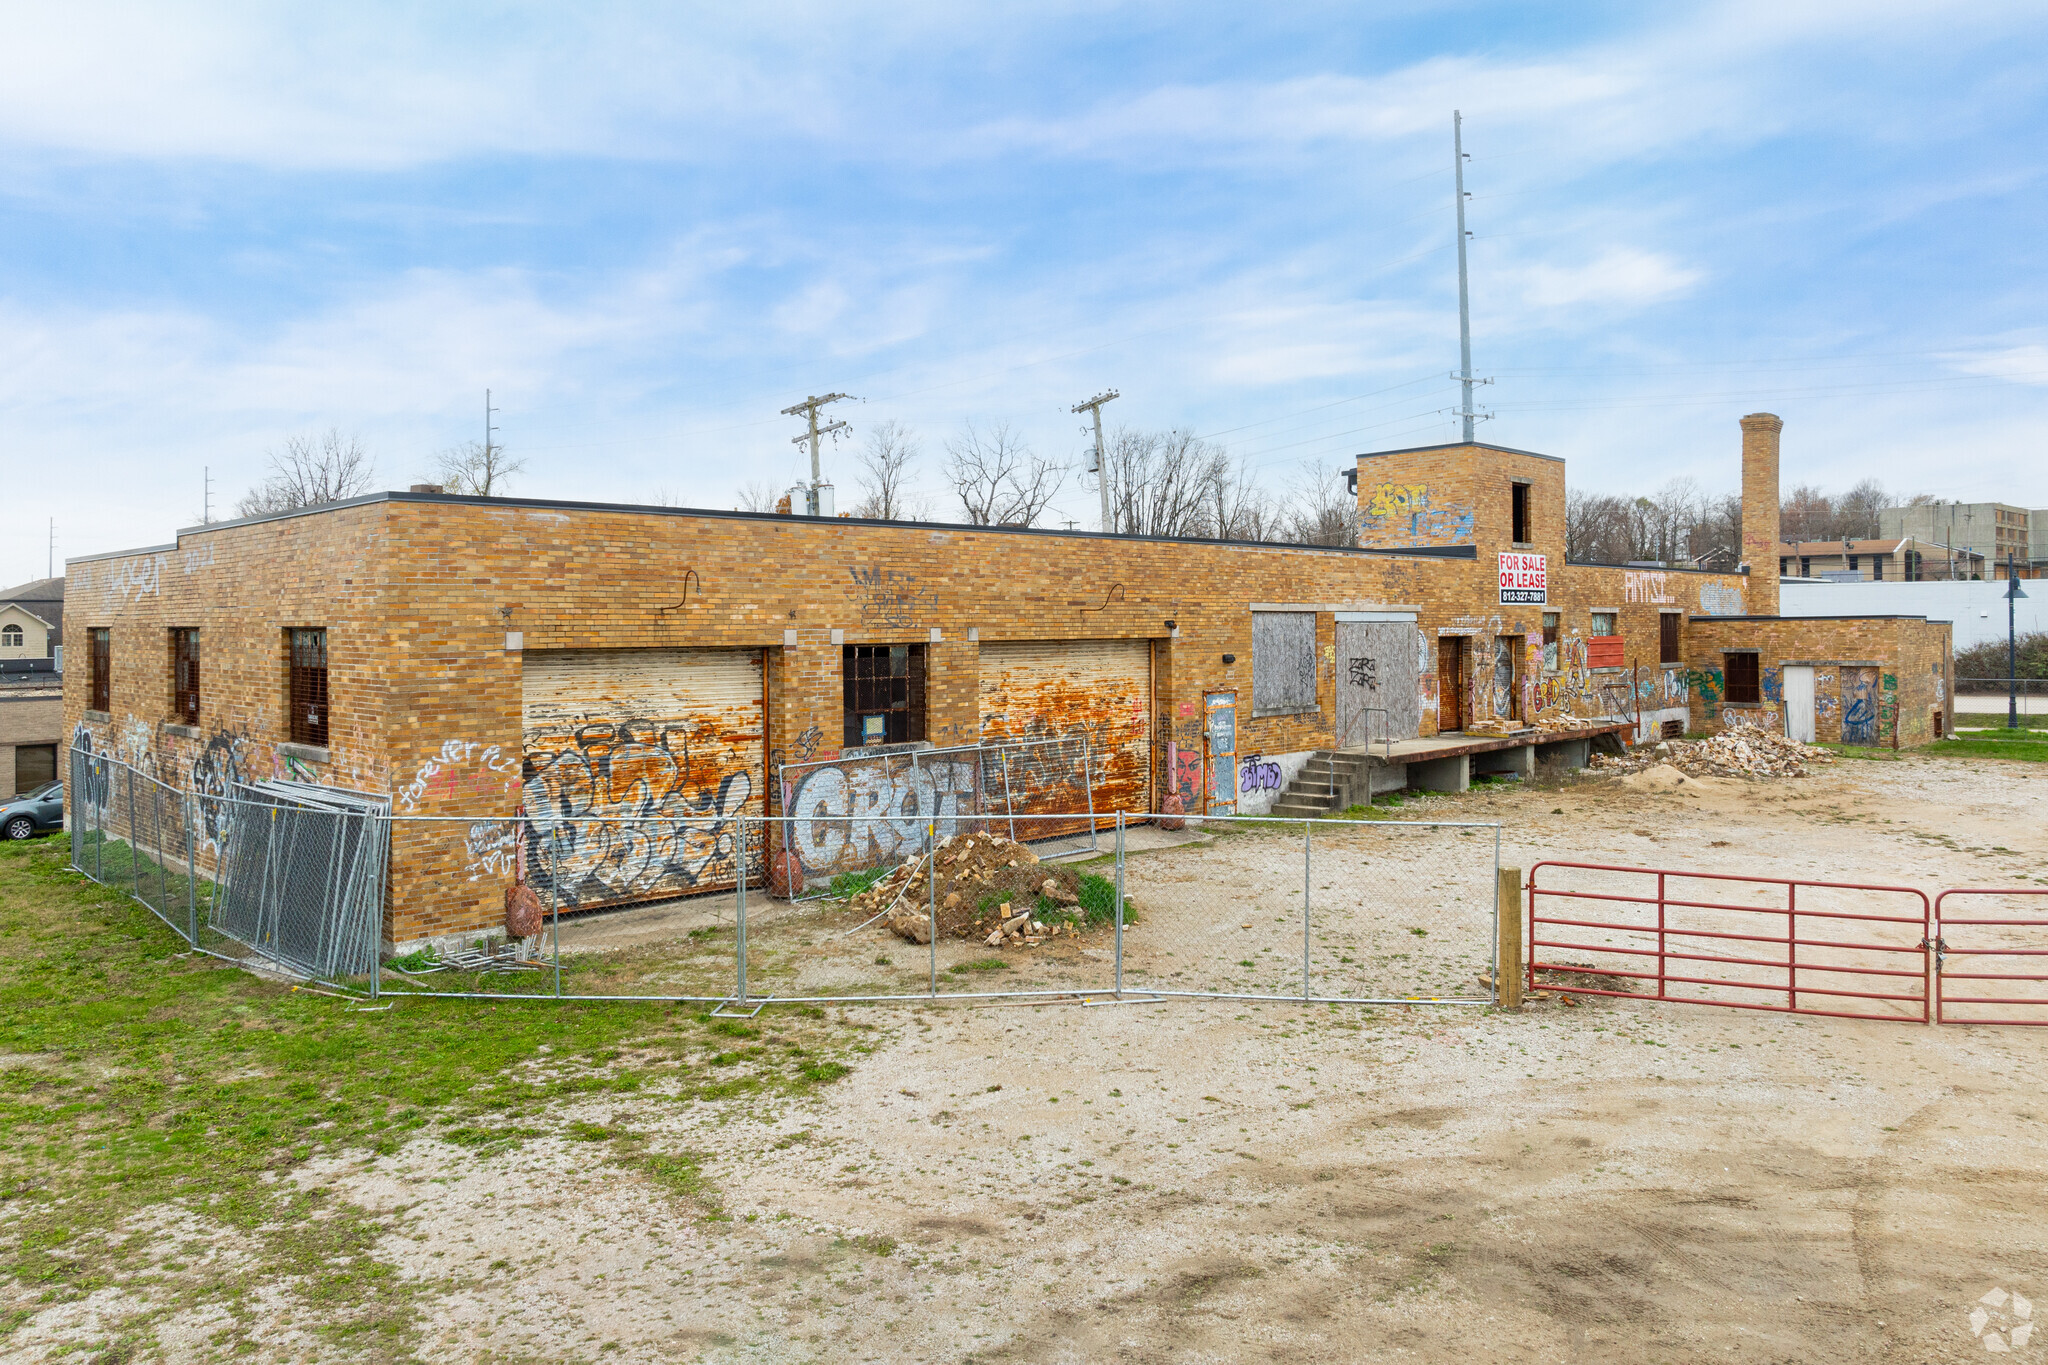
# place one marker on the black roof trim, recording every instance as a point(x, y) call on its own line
point(1638, 568)
point(1458, 445)
point(567, 505)
point(122, 554)
point(1863, 616)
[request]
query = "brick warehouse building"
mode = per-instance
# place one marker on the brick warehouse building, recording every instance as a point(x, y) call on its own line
point(489, 658)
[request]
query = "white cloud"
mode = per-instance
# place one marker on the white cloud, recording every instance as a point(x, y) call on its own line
point(1620, 277)
point(2026, 364)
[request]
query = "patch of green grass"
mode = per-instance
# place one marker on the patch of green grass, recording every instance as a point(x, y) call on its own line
point(2020, 746)
point(847, 885)
point(144, 1078)
point(1098, 900)
point(980, 964)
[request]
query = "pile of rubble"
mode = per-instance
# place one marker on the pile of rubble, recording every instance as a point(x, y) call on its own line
point(1741, 751)
point(988, 888)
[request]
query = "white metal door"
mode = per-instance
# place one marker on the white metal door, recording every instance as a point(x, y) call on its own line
point(1798, 680)
point(636, 760)
point(1065, 691)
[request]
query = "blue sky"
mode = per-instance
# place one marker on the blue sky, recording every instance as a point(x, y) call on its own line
point(649, 229)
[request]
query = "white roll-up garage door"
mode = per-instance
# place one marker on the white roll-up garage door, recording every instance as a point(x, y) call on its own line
point(636, 762)
point(1079, 713)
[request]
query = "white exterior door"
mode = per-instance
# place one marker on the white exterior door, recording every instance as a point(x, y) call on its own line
point(1799, 703)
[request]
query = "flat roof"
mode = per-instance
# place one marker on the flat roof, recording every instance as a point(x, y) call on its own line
point(1459, 445)
point(720, 514)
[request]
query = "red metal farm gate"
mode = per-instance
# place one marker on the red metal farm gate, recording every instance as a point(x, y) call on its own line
point(1994, 948)
point(1786, 945)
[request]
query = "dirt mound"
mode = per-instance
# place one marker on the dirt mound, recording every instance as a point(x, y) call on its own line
point(1740, 751)
point(987, 888)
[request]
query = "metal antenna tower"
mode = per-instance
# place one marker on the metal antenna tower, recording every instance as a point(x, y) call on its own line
point(489, 430)
point(1101, 471)
point(206, 495)
point(1464, 375)
point(808, 410)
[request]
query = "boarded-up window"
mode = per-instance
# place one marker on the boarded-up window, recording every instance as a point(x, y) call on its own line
point(308, 699)
point(1283, 662)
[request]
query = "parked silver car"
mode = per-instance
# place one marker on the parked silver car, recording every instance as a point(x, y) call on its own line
point(40, 811)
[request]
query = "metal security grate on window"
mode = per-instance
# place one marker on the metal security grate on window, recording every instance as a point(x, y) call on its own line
point(1744, 686)
point(1667, 638)
point(309, 687)
point(102, 669)
point(884, 694)
point(185, 674)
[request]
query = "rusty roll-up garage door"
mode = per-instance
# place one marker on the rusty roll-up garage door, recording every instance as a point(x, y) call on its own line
point(636, 762)
point(1046, 697)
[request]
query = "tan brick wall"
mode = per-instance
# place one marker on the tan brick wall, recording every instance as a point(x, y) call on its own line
point(1912, 660)
point(417, 597)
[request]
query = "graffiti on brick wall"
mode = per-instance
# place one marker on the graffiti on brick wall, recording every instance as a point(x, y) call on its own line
point(92, 787)
point(1773, 685)
point(1256, 774)
point(627, 809)
point(220, 765)
point(456, 763)
point(1709, 685)
point(1397, 514)
point(1888, 708)
point(138, 577)
point(1646, 585)
point(1717, 600)
point(861, 812)
point(885, 597)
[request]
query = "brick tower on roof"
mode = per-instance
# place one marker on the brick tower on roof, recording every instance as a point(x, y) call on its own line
point(1760, 510)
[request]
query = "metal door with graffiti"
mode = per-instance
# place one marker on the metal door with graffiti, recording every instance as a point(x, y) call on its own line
point(1859, 706)
point(1220, 728)
point(1376, 671)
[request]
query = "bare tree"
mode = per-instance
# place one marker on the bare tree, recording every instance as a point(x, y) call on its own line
point(1323, 510)
point(1244, 509)
point(1161, 483)
point(885, 475)
point(307, 472)
point(997, 478)
point(1856, 510)
point(1806, 513)
point(1596, 527)
point(757, 495)
point(474, 469)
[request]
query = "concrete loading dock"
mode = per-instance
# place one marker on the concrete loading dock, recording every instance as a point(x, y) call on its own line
point(1335, 779)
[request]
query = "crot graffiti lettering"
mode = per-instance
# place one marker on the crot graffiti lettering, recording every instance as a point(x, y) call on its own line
point(863, 811)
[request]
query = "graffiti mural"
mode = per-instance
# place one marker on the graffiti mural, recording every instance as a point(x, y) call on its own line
point(622, 810)
point(1716, 600)
point(1859, 706)
point(137, 577)
point(1710, 686)
point(1392, 515)
point(450, 760)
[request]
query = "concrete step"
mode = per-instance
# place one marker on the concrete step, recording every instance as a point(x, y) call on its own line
point(1296, 810)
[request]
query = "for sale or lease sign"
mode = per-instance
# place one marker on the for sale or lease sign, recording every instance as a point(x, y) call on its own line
point(1524, 579)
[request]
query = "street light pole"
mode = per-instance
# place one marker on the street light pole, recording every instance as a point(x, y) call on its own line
point(2012, 654)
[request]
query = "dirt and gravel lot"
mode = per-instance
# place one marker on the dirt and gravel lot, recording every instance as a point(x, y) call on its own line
point(1220, 1181)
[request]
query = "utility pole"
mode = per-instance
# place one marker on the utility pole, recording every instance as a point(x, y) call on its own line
point(206, 495)
point(50, 568)
point(1464, 290)
point(1094, 408)
point(808, 410)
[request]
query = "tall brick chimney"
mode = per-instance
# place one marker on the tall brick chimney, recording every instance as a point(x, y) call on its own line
point(1760, 509)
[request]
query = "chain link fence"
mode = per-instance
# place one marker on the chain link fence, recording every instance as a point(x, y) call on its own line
point(933, 901)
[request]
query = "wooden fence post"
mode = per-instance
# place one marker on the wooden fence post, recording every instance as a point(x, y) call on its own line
point(1509, 914)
